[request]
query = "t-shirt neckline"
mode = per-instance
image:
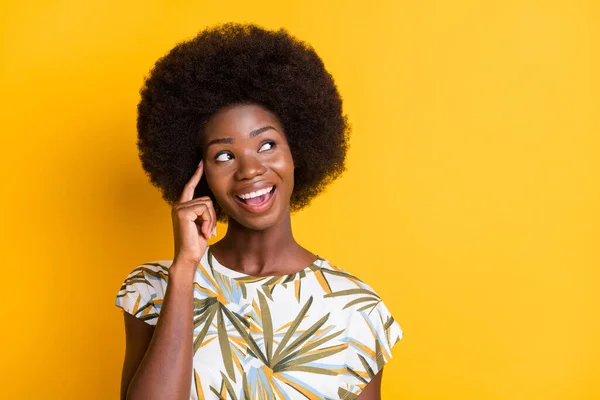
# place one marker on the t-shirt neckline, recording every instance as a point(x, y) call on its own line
point(223, 270)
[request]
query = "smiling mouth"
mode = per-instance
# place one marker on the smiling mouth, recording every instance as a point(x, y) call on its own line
point(258, 203)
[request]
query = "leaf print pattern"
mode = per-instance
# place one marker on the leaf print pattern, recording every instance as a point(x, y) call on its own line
point(320, 333)
point(214, 293)
point(297, 350)
point(138, 294)
point(358, 296)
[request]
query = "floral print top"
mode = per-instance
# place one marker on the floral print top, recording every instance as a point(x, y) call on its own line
point(320, 333)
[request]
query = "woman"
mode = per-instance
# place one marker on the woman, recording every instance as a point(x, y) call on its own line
point(245, 125)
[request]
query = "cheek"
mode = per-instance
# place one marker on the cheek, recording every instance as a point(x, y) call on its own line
point(285, 162)
point(284, 167)
point(214, 184)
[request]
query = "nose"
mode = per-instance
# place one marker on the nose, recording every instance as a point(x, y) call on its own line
point(249, 166)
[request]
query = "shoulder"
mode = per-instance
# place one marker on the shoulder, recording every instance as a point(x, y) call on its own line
point(339, 283)
point(151, 277)
point(143, 290)
point(371, 332)
point(152, 270)
point(367, 312)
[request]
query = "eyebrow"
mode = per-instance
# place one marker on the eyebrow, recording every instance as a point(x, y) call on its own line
point(252, 134)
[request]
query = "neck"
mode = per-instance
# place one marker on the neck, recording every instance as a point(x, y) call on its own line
point(258, 252)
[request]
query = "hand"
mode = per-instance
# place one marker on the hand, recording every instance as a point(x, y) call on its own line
point(194, 222)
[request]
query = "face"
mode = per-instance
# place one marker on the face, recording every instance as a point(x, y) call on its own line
point(248, 165)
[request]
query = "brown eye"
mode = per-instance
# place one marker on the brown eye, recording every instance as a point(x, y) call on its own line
point(270, 142)
point(219, 157)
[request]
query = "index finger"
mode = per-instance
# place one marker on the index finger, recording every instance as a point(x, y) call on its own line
point(188, 189)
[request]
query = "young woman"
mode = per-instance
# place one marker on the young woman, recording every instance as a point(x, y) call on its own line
point(245, 126)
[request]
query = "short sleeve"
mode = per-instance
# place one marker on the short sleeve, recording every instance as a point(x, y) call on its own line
point(142, 292)
point(372, 334)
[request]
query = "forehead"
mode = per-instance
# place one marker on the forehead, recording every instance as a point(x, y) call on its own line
point(238, 121)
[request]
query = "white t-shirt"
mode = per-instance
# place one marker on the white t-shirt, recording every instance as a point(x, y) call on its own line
point(320, 333)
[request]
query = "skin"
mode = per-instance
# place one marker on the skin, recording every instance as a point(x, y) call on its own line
point(158, 359)
point(255, 244)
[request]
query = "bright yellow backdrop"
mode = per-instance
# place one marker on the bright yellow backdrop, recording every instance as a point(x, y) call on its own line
point(471, 202)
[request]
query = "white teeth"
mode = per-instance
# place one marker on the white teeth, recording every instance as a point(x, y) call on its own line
point(256, 194)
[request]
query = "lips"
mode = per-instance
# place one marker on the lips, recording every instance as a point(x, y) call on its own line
point(251, 195)
point(256, 205)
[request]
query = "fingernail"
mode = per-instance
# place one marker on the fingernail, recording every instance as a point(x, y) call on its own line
point(215, 231)
point(200, 163)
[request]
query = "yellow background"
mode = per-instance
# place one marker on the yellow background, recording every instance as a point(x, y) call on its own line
point(471, 201)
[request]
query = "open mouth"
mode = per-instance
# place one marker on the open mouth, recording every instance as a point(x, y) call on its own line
point(257, 203)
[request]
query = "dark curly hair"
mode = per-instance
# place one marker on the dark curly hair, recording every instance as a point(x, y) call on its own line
point(241, 64)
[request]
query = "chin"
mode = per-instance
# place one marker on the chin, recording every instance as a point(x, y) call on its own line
point(257, 222)
point(261, 225)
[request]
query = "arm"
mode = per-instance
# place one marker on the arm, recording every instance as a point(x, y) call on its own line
point(373, 389)
point(158, 360)
point(137, 338)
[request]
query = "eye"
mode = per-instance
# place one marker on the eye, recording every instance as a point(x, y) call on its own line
point(270, 143)
point(223, 157)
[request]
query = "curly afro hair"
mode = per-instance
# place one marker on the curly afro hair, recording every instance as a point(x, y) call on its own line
point(240, 64)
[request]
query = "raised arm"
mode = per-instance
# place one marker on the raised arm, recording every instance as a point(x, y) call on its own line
point(158, 361)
